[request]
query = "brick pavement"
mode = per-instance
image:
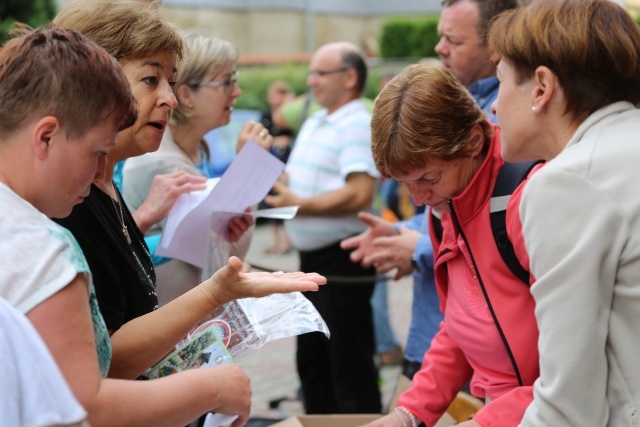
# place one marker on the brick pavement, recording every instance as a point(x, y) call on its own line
point(272, 368)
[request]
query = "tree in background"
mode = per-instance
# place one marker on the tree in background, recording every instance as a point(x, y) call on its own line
point(31, 12)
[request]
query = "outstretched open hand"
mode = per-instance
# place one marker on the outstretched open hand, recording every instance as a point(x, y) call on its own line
point(229, 283)
point(394, 252)
point(363, 244)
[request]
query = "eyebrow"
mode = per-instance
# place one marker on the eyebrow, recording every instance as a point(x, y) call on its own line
point(156, 64)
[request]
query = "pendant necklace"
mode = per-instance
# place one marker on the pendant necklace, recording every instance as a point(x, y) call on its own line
point(120, 214)
point(118, 208)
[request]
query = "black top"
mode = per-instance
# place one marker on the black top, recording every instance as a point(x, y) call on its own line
point(123, 273)
point(267, 121)
point(281, 153)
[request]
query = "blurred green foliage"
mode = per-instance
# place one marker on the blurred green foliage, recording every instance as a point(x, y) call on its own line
point(409, 37)
point(254, 81)
point(31, 12)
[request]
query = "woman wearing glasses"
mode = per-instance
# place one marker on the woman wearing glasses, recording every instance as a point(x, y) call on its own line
point(206, 89)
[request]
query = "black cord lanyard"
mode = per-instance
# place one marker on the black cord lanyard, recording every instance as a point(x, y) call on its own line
point(486, 295)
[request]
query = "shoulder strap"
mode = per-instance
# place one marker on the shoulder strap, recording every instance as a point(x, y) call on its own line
point(305, 109)
point(303, 116)
point(437, 225)
point(509, 177)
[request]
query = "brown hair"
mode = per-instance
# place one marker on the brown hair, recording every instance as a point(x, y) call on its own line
point(281, 87)
point(423, 113)
point(353, 57)
point(593, 47)
point(125, 28)
point(61, 73)
point(487, 11)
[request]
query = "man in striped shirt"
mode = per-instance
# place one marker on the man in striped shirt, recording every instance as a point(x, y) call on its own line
point(331, 177)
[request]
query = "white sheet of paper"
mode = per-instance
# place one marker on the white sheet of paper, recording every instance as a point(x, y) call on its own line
point(245, 183)
point(285, 212)
point(185, 204)
point(217, 420)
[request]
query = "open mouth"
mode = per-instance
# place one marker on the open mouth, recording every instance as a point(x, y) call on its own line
point(156, 125)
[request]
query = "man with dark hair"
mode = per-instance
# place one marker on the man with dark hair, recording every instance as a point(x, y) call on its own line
point(331, 177)
point(463, 29)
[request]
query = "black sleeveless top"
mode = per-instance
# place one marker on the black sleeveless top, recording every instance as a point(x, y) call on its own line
point(122, 273)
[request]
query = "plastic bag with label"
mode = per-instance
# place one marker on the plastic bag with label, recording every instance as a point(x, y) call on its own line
point(247, 324)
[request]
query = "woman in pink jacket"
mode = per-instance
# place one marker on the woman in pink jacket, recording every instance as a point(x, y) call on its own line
point(429, 134)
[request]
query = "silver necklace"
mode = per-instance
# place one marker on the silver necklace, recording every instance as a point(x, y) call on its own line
point(120, 214)
point(118, 208)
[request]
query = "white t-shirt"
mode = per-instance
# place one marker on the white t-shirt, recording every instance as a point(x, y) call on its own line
point(38, 258)
point(33, 392)
point(327, 150)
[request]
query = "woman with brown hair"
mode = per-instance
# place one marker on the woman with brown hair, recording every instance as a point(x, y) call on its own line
point(206, 88)
point(429, 134)
point(569, 82)
point(148, 49)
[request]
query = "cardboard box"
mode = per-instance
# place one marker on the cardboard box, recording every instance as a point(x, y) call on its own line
point(345, 421)
point(327, 420)
point(461, 409)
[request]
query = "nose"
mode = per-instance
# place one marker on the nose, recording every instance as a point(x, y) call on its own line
point(311, 80)
point(236, 91)
point(419, 194)
point(440, 48)
point(166, 96)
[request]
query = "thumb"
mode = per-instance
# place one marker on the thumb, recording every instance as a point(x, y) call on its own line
point(235, 264)
point(404, 230)
point(368, 219)
point(277, 187)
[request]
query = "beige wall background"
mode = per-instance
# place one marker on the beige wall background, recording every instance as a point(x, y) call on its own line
point(278, 32)
point(286, 27)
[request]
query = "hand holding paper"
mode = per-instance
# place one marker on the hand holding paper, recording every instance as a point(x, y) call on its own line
point(245, 183)
point(282, 197)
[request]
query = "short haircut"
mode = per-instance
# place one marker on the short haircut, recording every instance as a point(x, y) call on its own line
point(61, 73)
point(593, 47)
point(354, 58)
point(422, 114)
point(281, 87)
point(206, 57)
point(125, 28)
point(487, 11)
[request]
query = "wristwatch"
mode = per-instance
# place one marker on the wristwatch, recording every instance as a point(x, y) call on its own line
point(415, 265)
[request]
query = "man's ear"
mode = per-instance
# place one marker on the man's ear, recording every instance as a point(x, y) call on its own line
point(351, 79)
point(46, 132)
point(544, 87)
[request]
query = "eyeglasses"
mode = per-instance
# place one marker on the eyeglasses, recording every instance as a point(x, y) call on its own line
point(322, 73)
point(227, 85)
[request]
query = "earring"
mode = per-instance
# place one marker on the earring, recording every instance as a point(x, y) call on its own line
point(534, 108)
point(190, 105)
